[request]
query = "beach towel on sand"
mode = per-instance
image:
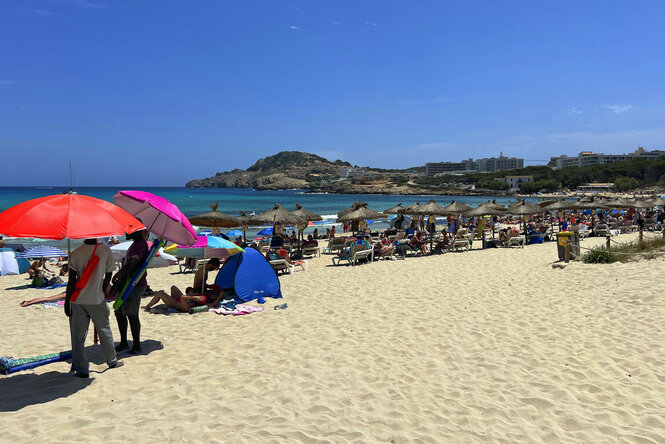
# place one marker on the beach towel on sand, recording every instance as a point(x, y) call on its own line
point(240, 309)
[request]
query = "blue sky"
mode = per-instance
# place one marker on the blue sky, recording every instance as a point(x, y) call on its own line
point(156, 93)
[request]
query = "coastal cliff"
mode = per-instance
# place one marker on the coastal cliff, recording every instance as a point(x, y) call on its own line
point(284, 170)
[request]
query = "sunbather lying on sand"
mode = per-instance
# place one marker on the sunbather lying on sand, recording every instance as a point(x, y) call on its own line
point(183, 302)
point(56, 297)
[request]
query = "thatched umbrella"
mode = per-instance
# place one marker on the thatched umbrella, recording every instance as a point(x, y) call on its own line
point(411, 209)
point(431, 208)
point(457, 207)
point(214, 219)
point(244, 222)
point(486, 209)
point(495, 205)
point(592, 204)
point(561, 205)
point(278, 215)
point(306, 216)
point(358, 212)
point(394, 210)
point(523, 208)
point(351, 208)
point(545, 203)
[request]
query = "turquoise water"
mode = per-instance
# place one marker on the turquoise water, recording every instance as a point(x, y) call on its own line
point(193, 201)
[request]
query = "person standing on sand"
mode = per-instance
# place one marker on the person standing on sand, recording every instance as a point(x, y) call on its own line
point(128, 312)
point(89, 304)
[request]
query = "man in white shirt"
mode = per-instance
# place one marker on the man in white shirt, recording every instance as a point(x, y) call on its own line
point(90, 304)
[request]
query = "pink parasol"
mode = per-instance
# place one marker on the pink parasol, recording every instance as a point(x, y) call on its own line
point(160, 216)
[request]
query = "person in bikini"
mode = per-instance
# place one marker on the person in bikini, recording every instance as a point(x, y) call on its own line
point(183, 302)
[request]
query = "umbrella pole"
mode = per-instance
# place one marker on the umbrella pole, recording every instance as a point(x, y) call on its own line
point(203, 284)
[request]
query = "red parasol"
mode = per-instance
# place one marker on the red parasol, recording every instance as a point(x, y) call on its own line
point(67, 216)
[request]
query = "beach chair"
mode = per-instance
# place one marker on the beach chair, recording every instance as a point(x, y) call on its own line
point(335, 244)
point(282, 265)
point(392, 253)
point(584, 231)
point(650, 224)
point(187, 266)
point(311, 251)
point(355, 254)
point(601, 230)
point(460, 244)
point(518, 240)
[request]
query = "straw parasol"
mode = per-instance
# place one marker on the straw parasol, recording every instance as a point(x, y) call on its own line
point(485, 209)
point(244, 221)
point(214, 219)
point(359, 211)
point(278, 215)
point(394, 210)
point(592, 204)
point(411, 209)
point(545, 203)
point(457, 207)
point(523, 208)
point(431, 208)
point(306, 216)
point(347, 210)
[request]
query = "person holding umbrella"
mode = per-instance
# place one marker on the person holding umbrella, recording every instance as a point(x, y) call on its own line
point(128, 312)
point(84, 300)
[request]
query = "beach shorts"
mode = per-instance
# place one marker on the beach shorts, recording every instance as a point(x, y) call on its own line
point(133, 302)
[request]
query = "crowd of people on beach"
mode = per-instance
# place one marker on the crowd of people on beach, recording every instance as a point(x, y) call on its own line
point(92, 283)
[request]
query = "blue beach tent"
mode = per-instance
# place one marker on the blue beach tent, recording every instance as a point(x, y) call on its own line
point(250, 276)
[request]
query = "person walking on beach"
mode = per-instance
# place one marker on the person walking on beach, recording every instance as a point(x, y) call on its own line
point(84, 300)
point(128, 312)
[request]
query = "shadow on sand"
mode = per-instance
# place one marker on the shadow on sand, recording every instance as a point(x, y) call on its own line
point(24, 389)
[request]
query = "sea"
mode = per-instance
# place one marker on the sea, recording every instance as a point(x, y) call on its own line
point(232, 201)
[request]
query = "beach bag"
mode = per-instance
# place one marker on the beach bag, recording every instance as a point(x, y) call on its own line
point(123, 276)
point(86, 275)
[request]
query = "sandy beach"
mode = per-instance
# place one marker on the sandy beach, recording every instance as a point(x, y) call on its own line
point(481, 346)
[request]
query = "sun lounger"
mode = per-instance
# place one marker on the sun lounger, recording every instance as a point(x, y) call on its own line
point(387, 255)
point(519, 241)
point(354, 255)
point(311, 251)
point(186, 267)
point(601, 230)
point(281, 265)
point(460, 244)
point(335, 244)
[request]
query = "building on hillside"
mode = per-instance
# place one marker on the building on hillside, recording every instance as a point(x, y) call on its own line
point(515, 182)
point(434, 168)
point(501, 163)
point(488, 164)
point(586, 158)
point(350, 173)
point(595, 187)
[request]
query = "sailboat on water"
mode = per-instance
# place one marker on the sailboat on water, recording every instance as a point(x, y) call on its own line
point(71, 189)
